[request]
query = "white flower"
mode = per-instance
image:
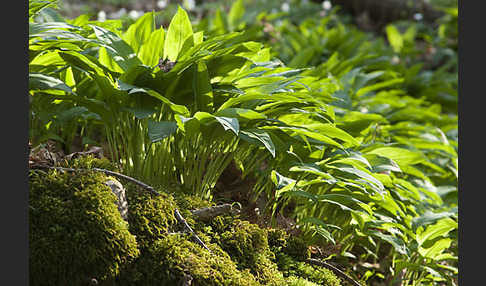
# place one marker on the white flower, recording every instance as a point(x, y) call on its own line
point(285, 7)
point(133, 14)
point(326, 5)
point(101, 16)
point(418, 16)
point(162, 4)
point(189, 4)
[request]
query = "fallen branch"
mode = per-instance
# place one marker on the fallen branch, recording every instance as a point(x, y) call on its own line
point(177, 214)
point(334, 269)
point(207, 214)
point(107, 172)
point(181, 219)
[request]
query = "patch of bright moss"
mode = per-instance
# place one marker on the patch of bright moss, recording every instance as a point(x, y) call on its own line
point(75, 230)
point(248, 245)
point(166, 261)
point(291, 252)
point(149, 215)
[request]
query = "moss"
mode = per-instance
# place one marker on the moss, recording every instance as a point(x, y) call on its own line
point(75, 230)
point(149, 216)
point(190, 202)
point(291, 252)
point(299, 281)
point(248, 245)
point(89, 162)
point(77, 233)
point(289, 266)
point(167, 260)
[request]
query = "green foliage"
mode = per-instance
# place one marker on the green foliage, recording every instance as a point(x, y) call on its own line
point(355, 136)
point(75, 230)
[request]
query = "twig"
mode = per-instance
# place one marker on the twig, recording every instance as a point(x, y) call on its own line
point(181, 219)
point(334, 269)
point(107, 172)
point(206, 214)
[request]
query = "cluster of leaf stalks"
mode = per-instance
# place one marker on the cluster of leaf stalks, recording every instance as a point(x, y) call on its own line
point(349, 133)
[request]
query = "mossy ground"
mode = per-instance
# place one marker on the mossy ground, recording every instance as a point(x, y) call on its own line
point(76, 233)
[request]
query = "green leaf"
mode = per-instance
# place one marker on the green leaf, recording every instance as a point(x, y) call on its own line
point(332, 131)
point(180, 109)
point(441, 228)
point(361, 174)
point(201, 86)
point(179, 31)
point(236, 13)
point(139, 32)
point(302, 58)
point(380, 164)
point(397, 243)
point(43, 82)
point(141, 113)
point(120, 51)
point(436, 249)
point(313, 169)
point(152, 50)
point(379, 85)
point(279, 180)
point(401, 156)
point(256, 136)
point(394, 38)
point(229, 123)
point(241, 113)
point(320, 227)
point(160, 130)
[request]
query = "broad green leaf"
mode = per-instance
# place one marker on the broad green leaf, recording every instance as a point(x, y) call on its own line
point(141, 113)
point(180, 109)
point(201, 86)
point(241, 113)
point(397, 243)
point(258, 136)
point(345, 202)
point(279, 180)
point(436, 249)
point(198, 37)
point(394, 38)
point(83, 62)
point(360, 174)
point(441, 228)
point(139, 32)
point(108, 61)
point(236, 13)
point(179, 31)
point(381, 164)
point(120, 51)
point(229, 123)
point(320, 227)
point(308, 168)
point(429, 218)
point(401, 156)
point(220, 22)
point(332, 131)
point(44, 82)
point(302, 58)
point(153, 49)
point(379, 85)
point(160, 130)
point(314, 135)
